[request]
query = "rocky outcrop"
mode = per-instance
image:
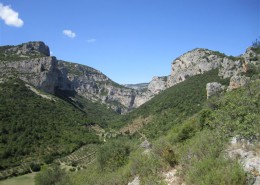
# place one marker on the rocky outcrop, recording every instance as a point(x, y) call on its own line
point(248, 155)
point(95, 86)
point(231, 68)
point(30, 48)
point(49, 74)
point(214, 88)
point(238, 81)
point(136, 181)
point(192, 63)
point(34, 66)
point(157, 84)
point(40, 72)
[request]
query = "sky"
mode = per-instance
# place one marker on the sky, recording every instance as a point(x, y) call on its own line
point(130, 41)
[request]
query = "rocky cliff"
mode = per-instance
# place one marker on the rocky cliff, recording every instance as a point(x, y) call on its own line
point(199, 61)
point(32, 63)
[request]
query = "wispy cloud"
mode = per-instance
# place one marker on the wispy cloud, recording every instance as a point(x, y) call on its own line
point(91, 40)
point(10, 17)
point(69, 33)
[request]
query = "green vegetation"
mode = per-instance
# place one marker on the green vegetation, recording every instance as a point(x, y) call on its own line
point(174, 105)
point(33, 128)
point(52, 176)
point(27, 179)
point(187, 132)
point(95, 111)
point(113, 155)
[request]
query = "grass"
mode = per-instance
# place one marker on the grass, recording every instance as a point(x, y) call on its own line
point(27, 179)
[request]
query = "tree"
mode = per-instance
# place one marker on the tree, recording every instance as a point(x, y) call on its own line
point(52, 176)
point(256, 43)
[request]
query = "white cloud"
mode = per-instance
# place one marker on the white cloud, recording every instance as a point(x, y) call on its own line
point(91, 40)
point(10, 17)
point(69, 33)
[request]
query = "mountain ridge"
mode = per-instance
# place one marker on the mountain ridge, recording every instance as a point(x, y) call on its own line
point(32, 63)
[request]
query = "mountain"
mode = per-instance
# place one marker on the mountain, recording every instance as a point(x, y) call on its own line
point(33, 64)
point(140, 87)
point(50, 108)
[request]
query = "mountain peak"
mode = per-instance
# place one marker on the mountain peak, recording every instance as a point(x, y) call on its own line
point(30, 48)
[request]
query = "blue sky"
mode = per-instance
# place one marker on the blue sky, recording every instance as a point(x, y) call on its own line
point(132, 40)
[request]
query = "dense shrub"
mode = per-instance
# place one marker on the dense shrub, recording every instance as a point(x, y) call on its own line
point(52, 176)
point(113, 155)
point(37, 128)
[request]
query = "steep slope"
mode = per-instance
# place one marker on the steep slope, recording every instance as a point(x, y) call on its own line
point(32, 63)
point(35, 126)
point(171, 106)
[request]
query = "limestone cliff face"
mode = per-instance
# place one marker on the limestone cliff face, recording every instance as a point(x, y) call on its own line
point(94, 85)
point(30, 48)
point(192, 63)
point(32, 63)
point(40, 72)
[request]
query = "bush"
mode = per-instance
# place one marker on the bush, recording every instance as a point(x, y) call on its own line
point(52, 176)
point(113, 155)
point(215, 171)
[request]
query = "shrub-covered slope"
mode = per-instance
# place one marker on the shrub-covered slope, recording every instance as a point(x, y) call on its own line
point(173, 105)
point(36, 128)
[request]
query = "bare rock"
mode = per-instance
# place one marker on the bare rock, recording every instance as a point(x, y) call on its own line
point(214, 88)
point(136, 181)
point(192, 63)
point(40, 72)
point(157, 84)
point(30, 48)
point(238, 81)
point(248, 155)
point(146, 145)
point(231, 68)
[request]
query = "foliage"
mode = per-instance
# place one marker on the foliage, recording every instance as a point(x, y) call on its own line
point(32, 127)
point(203, 161)
point(256, 43)
point(174, 105)
point(52, 176)
point(236, 113)
point(113, 155)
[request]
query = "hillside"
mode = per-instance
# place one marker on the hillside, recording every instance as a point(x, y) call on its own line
point(51, 112)
point(172, 106)
point(199, 149)
point(38, 127)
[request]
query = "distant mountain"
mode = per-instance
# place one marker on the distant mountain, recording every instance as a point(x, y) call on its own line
point(140, 87)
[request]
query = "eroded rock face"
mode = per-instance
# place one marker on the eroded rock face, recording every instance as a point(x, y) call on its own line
point(136, 181)
point(157, 84)
point(192, 63)
point(231, 68)
point(214, 88)
point(94, 85)
point(248, 155)
point(238, 81)
point(29, 48)
point(40, 72)
point(47, 74)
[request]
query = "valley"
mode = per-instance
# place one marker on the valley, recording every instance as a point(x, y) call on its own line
point(75, 125)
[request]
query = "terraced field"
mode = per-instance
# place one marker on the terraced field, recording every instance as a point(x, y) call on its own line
point(81, 157)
